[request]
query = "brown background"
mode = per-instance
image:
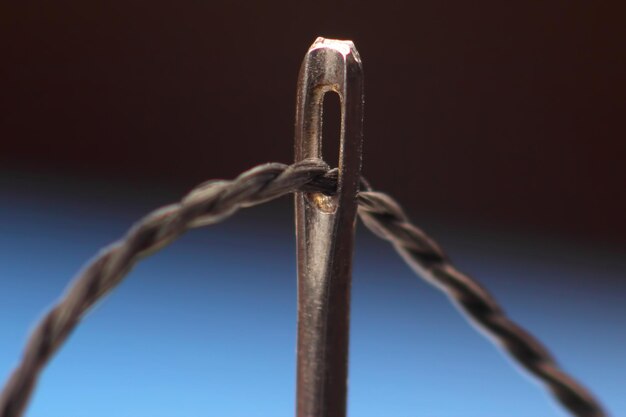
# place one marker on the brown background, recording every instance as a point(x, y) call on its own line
point(507, 112)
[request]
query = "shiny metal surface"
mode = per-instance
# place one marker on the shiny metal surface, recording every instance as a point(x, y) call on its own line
point(325, 229)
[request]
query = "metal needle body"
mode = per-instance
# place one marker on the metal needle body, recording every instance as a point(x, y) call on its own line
point(325, 229)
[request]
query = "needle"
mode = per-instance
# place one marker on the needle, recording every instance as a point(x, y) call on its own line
point(325, 229)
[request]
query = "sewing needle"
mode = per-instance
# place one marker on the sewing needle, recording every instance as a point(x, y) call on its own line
point(325, 229)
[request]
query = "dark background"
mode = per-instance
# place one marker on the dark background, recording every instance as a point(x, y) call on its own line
point(498, 125)
point(507, 112)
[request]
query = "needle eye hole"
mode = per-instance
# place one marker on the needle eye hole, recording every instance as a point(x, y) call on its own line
point(331, 128)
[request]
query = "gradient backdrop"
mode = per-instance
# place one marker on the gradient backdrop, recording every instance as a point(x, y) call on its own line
point(498, 125)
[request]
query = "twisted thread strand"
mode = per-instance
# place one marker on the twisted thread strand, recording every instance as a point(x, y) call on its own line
point(214, 201)
point(384, 217)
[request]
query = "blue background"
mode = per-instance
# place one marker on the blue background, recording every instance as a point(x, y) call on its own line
point(206, 327)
